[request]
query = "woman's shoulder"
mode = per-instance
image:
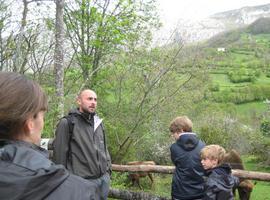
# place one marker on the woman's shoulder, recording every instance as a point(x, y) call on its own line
point(74, 187)
point(26, 155)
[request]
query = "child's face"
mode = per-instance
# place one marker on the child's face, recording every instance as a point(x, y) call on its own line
point(208, 163)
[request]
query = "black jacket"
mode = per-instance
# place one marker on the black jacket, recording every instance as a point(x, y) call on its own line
point(26, 173)
point(188, 182)
point(220, 183)
point(89, 156)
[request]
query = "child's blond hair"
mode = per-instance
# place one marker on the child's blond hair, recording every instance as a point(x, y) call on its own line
point(213, 152)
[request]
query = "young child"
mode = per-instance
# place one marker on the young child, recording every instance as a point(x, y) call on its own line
point(219, 182)
point(187, 182)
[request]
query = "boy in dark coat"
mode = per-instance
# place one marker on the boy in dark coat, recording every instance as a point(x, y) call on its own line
point(220, 181)
point(187, 182)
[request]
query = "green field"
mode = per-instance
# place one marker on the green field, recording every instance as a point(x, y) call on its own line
point(244, 110)
point(224, 82)
point(252, 108)
point(261, 189)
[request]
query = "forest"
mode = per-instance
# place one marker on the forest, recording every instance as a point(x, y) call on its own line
point(68, 45)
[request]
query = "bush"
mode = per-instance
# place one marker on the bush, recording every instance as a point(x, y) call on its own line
point(241, 95)
point(257, 73)
point(260, 144)
point(268, 74)
point(265, 128)
point(214, 87)
point(227, 132)
point(243, 75)
point(213, 135)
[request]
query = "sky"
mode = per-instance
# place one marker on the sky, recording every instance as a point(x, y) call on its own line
point(171, 10)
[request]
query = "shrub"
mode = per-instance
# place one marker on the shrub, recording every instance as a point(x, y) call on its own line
point(259, 145)
point(214, 87)
point(227, 132)
point(241, 95)
point(265, 127)
point(213, 135)
point(257, 73)
point(243, 75)
point(268, 74)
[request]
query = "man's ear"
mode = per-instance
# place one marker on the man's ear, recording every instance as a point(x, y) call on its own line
point(78, 100)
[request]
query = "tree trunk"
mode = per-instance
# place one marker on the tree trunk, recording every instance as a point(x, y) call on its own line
point(18, 56)
point(59, 56)
point(125, 194)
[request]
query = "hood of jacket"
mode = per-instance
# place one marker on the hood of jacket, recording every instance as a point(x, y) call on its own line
point(26, 172)
point(188, 141)
point(86, 116)
point(91, 118)
point(222, 176)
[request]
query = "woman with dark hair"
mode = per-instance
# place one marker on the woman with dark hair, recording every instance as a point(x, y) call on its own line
point(25, 170)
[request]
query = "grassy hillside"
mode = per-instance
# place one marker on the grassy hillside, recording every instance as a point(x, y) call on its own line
point(241, 73)
point(238, 76)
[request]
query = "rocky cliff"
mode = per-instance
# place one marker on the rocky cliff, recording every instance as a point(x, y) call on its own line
point(197, 30)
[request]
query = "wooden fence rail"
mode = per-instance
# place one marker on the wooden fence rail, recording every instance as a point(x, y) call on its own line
point(127, 195)
point(260, 176)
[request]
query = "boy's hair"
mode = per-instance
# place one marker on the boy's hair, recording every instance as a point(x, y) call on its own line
point(181, 123)
point(213, 152)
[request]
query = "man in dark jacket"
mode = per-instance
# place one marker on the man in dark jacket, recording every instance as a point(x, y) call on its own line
point(27, 173)
point(187, 182)
point(81, 146)
point(220, 181)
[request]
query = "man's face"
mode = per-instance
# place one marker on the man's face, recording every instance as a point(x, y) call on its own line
point(87, 101)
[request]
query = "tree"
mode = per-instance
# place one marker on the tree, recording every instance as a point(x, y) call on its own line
point(5, 37)
point(59, 56)
point(20, 59)
point(141, 94)
point(98, 29)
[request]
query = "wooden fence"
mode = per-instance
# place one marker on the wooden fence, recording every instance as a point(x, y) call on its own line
point(260, 176)
point(125, 194)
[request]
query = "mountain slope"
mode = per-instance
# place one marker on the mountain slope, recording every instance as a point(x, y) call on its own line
point(243, 16)
point(260, 26)
point(194, 31)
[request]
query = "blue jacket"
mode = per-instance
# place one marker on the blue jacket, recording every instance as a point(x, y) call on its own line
point(188, 182)
point(220, 183)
